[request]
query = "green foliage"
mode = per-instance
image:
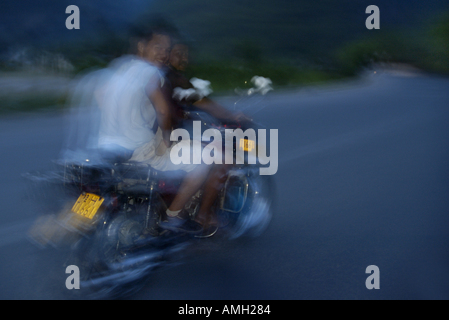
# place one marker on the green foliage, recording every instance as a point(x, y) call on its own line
point(427, 49)
point(292, 43)
point(30, 102)
point(438, 45)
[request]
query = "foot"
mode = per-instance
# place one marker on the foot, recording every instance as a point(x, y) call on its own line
point(210, 225)
point(207, 221)
point(181, 225)
point(207, 232)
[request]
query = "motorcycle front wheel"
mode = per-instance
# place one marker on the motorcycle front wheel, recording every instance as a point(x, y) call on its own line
point(248, 212)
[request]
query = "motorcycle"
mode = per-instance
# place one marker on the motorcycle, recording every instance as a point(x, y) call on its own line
point(109, 214)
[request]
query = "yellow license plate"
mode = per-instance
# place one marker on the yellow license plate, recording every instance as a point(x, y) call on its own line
point(87, 205)
point(247, 145)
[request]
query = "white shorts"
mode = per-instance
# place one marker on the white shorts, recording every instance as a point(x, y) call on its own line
point(157, 155)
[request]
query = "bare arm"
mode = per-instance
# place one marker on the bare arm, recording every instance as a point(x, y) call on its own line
point(162, 107)
point(218, 111)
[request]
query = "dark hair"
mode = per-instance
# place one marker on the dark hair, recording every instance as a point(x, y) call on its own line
point(149, 24)
point(141, 33)
point(179, 41)
point(146, 32)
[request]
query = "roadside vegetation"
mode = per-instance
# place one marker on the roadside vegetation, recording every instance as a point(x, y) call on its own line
point(425, 47)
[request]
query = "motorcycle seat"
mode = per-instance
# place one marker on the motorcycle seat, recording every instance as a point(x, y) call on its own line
point(142, 171)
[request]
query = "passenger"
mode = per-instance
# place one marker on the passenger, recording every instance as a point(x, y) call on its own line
point(177, 64)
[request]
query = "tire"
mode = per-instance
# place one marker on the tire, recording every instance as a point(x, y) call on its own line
point(257, 211)
point(107, 270)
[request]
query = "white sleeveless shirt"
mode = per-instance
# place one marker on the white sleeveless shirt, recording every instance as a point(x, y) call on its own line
point(127, 115)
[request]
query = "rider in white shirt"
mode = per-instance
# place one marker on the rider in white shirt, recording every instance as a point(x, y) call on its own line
point(128, 116)
point(131, 103)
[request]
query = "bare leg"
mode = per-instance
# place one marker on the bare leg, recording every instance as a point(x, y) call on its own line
point(212, 187)
point(192, 182)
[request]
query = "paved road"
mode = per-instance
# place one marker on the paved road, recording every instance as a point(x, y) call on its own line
point(363, 180)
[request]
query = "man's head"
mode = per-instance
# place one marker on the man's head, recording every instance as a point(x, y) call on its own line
point(179, 56)
point(153, 46)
